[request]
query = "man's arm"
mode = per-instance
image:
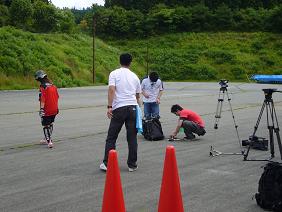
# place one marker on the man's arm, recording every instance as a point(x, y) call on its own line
point(145, 94)
point(159, 97)
point(179, 124)
point(111, 95)
point(138, 99)
point(143, 89)
point(139, 89)
point(161, 88)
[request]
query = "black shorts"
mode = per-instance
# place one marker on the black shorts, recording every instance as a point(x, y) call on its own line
point(47, 120)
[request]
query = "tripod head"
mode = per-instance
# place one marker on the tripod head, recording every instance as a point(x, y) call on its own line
point(268, 92)
point(223, 84)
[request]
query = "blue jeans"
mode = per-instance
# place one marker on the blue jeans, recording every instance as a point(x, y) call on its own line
point(151, 110)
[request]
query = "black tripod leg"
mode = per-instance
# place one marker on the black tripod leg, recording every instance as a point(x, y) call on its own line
point(271, 141)
point(259, 118)
point(276, 130)
point(235, 125)
point(269, 111)
point(255, 129)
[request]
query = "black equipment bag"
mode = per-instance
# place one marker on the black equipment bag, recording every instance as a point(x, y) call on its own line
point(269, 194)
point(152, 129)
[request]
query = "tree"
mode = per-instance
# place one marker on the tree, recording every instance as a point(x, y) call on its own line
point(136, 23)
point(201, 17)
point(45, 17)
point(4, 15)
point(83, 25)
point(6, 2)
point(275, 19)
point(20, 13)
point(162, 17)
point(65, 21)
point(223, 18)
point(118, 23)
point(250, 19)
point(44, 1)
point(182, 18)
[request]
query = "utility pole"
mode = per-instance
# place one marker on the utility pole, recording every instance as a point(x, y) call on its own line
point(93, 48)
point(147, 59)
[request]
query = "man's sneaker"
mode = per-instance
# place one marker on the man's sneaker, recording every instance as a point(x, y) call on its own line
point(132, 169)
point(50, 144)
point(103, 167)
point(190, 138)
point(43, 141)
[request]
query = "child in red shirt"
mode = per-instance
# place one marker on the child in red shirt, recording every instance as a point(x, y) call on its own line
point(190, 121)
point(48, 99)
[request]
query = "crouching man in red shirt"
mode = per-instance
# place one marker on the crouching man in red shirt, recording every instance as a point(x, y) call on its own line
point(190, 121)
point(48, 100)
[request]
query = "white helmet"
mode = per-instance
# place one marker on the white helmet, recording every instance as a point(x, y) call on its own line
point(40, 74)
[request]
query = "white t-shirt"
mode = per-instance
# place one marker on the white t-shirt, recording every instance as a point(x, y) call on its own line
point(127, 84)
point(152, 89)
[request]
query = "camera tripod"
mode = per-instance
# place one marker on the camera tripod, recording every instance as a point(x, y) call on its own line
point(272, 124)
point(222, 91)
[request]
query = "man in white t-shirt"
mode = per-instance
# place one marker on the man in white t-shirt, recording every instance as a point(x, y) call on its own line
point(123, 97)
point(152, 90)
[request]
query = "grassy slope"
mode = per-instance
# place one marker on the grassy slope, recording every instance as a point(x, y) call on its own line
point(186, 56)
point(210, 56)
point(66, 58)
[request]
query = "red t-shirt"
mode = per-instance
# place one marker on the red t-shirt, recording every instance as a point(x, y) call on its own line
point(49, 95)
point(191, 116)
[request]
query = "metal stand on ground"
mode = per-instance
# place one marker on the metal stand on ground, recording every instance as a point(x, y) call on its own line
point(214, 152)
point(222, 91)
point(272, 124)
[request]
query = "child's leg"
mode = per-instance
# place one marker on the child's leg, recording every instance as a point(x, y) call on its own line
point(51, 128)
point(47, 133)
point(47, 123)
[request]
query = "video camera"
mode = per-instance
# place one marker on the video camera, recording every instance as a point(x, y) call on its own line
point(223, 83)
point(256, 143)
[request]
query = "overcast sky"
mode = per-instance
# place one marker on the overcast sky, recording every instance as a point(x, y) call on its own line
point(78, 4)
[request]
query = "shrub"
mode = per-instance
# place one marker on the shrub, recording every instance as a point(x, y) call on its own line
point(220, 56)
point(238, 73)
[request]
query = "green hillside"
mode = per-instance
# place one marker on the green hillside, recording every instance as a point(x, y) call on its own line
point(181, 57)
point(66, 58)
point(209, 56)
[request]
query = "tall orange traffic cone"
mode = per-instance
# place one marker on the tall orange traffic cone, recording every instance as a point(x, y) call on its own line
point(113, 196)
point(170, 195)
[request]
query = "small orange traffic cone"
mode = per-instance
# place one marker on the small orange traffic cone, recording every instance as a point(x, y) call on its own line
point(113, 196)
point(170, 195)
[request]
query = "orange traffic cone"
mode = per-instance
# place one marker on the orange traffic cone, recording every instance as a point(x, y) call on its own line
point(113, 196)
point(170, 195)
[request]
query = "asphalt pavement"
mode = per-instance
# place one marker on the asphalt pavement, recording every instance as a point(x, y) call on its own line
point(67, 177)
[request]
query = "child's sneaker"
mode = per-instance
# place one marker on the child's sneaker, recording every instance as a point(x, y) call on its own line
point(50, 144)
point(43, 141)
